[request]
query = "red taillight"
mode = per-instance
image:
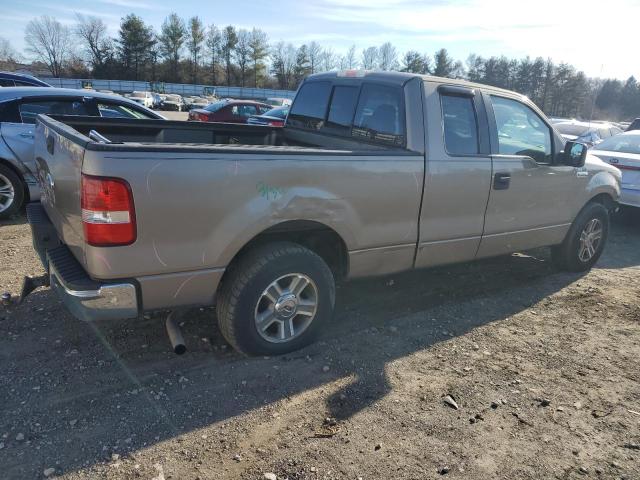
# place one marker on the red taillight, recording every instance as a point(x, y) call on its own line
point(276, 123)
point(200, 117)
point(108, 214)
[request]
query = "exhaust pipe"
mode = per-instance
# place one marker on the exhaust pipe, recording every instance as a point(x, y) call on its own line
point(175, 335)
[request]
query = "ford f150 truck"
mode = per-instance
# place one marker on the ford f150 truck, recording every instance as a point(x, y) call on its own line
point(374, 173)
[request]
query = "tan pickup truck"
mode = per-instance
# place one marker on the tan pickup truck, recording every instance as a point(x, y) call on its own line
point(374, 173)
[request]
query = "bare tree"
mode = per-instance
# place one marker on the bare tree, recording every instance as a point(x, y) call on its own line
point(195, 39)
point(283, 63)
point(370, 58)
point(259, 46)
point(243, 53)
point(387, 57)
point(92, 32)
point(350, 58)
point(7, 52)
point(214, 43)
point(229, 41)
point(327, 60)
point(49, 41)
point(314, 52)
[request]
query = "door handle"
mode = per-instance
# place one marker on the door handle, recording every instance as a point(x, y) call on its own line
point(501, 181)
point(26, 135)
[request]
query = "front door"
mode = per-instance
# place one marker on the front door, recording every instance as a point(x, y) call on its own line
point(458, 175)
point(530, 204)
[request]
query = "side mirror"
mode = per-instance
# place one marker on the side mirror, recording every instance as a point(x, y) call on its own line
point(574, 154)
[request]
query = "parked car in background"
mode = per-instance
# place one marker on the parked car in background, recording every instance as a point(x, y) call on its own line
point(231, 111)
point(8, 79)
point(555, 120)
point(157, 100)
point(373, 174)
point(19, 107)
point(635, 125)
point(623, 152)
point(274, 117)
point(173, 102)
point(196, 102)
point(586, 132)
point(143, 98)
point(279, 102)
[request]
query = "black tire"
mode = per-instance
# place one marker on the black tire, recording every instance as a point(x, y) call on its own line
point(18, 192)
point(243, 286)
point(566, 256)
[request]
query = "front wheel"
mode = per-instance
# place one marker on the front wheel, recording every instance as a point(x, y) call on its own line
point(275, 299)
point(11, 192)
point(585, 241)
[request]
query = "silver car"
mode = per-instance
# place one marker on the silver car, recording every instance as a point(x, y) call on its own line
point(623, 152)
point(19, 107)
point(589, 133)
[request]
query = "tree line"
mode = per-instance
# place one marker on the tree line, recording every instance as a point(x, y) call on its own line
point(188, 51)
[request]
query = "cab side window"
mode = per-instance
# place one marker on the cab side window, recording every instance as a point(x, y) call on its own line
point(521, 131)
point(380, 115)
point(460, 125)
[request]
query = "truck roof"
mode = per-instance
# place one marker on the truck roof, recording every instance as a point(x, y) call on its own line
point(400, 78)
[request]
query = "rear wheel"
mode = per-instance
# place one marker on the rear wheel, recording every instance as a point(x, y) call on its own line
point(11, 192)
point(275, 299)
point(585, 241)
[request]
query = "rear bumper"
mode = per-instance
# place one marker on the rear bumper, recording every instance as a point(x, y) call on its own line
point(85, 298)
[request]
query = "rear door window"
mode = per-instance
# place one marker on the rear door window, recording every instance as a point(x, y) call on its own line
point(7, 83)
point(342, 108)
point(380, 115)
point(30, 110)
point(459, 124)
point(310, 106)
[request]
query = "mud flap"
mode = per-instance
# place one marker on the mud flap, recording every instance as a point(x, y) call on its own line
point(29, 284)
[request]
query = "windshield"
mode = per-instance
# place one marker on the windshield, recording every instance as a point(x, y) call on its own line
point(621, 143)
point(173, 98)
point(571, 129)
point(215, 106)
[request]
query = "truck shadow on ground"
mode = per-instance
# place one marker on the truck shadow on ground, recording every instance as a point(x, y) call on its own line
point(80, 392)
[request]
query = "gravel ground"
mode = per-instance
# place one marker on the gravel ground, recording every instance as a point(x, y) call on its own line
point(542, 366)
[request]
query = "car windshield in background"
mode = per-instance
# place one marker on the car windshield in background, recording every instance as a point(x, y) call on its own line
point(621, 143)
point(215, 106)
point(571, 129)
point(279, 112)
point(173, 98)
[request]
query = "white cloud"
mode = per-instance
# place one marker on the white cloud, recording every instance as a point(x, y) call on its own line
point(586, 33)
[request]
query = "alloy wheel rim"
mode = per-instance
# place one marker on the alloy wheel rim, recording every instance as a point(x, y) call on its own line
point(7, 193)
point(590, 239)
point(286, 308)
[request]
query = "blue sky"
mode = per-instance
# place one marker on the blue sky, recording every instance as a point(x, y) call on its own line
point(592, 35)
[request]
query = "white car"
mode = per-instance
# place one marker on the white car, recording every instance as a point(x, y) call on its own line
point(623, 152)
point(143, 98)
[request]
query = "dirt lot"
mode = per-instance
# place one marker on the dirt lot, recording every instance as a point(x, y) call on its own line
point(544, 366)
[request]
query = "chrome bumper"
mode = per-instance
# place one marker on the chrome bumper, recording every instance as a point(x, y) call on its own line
point(104, 302)
point(87, 299)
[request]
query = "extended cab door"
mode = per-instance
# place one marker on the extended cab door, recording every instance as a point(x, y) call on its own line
point(458, 175)
point(532, 197)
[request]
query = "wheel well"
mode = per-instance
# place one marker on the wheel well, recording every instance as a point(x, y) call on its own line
point(604, 199)
point(315, 236)
point(13, 168)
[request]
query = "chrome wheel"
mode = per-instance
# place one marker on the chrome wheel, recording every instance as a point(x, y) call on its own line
point(286, 308)
point(7, 193)
point(590, 239)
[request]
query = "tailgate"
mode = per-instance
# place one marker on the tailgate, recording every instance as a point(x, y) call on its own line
point(59, 151)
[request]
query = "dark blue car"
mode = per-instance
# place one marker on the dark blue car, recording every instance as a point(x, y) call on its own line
point(8, 79)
